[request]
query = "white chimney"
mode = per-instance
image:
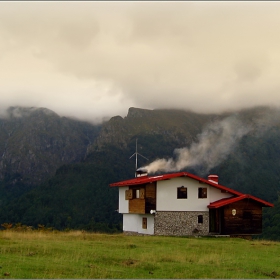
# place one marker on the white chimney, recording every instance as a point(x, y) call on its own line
point(213, 178)
point(140, 172)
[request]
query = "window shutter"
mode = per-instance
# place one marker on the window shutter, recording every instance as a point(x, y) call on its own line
point(128, 194)
point(142, 194)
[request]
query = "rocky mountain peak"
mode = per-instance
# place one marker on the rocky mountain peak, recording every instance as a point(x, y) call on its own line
point(34, 142)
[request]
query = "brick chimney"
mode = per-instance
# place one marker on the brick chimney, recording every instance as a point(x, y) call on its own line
point(213, 178)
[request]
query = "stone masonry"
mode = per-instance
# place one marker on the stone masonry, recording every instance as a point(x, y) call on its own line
point(181, 223)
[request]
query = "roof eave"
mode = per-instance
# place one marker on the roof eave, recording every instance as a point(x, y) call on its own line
point(146, 179)
point(224, 202)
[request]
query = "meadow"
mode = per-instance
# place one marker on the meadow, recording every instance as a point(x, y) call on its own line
point(78, 254)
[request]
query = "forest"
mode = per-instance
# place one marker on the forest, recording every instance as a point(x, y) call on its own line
point(77, 194)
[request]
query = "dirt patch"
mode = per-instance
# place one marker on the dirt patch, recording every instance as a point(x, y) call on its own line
point(129, 262)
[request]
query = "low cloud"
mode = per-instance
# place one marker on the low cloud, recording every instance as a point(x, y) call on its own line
point(96, 59)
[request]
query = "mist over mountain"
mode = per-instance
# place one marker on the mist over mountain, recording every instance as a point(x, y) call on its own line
point(56, 171)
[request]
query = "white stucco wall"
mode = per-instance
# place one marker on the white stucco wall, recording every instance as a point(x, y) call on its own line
point(167, 195)
point(216, 194)
point(133, 222)
point(123, 204)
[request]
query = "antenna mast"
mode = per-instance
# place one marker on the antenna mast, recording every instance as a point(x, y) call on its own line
point(136, 157)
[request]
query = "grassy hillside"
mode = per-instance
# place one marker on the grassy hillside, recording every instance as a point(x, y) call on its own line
point(76, 254)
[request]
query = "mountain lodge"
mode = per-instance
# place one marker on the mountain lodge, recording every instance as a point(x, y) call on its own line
point(184, 204)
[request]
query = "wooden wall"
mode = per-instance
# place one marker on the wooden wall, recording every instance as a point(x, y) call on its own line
point(247, 220)
point(146, 201)
point(150, 197)
point(137, 205)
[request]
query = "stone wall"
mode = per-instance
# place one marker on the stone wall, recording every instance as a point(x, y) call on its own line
point(132, 233)
point(181, 223)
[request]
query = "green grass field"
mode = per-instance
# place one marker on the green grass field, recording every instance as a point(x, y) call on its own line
point(79, 254)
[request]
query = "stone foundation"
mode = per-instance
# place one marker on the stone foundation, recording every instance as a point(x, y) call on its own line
point(181, 223)
point(132, 233)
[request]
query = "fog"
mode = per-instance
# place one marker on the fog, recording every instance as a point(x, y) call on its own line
point(93, 60)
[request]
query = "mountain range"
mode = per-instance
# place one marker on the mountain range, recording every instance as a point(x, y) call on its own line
point(55, 171)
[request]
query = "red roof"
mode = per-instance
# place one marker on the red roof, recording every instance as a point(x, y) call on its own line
point(225, 201)
point(150, 179)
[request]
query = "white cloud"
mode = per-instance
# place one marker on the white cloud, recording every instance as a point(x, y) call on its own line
point(95, 59)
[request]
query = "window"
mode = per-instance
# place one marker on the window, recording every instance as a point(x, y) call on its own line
point(200, 219)
point(182, 192)
point(202, 192)
point(135, 193)
point(144, 223)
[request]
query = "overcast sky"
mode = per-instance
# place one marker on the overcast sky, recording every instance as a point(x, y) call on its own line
point(96, 59)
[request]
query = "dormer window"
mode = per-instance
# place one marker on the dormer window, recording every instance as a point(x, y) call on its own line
point(182, 193)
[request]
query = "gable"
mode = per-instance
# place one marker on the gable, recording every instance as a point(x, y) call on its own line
point(168, 200)
point(167, 185)
point(232, 200)
point(159, 178)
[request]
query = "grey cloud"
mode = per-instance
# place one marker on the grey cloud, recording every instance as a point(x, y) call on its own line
point(79, 32)
point(203, 56)
point(250, 69)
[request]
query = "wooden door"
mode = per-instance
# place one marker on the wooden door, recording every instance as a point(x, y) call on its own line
point(215, 221)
